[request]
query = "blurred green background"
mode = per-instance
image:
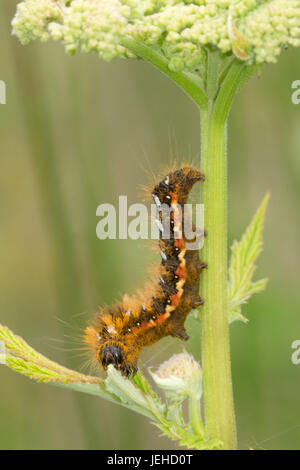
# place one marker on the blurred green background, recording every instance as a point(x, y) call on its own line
point(77, 132)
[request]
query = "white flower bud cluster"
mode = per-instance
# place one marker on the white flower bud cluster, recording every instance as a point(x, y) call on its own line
point(270, 26)
point(33, 18)
point(180, 377)
point(180, 29)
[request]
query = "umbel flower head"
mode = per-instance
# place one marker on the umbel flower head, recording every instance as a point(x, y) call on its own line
point(255, 30)
point(180, 377)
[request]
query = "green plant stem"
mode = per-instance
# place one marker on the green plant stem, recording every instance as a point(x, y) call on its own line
point(215, 357)
point(191, 83)
point(217, 385)
point(195, 416)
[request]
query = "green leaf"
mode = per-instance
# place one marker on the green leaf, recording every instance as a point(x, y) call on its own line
point(141, 382)
point(186, 438)
point(174, 413)
point(24, 359)
point(131, 395)
point(242, 266)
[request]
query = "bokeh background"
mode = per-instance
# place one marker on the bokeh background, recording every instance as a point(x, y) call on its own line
point(77, 132)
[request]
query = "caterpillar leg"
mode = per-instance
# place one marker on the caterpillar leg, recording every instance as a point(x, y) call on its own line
point(197, 302)
point(129, 372)
point(181, 334)
point(202, 265)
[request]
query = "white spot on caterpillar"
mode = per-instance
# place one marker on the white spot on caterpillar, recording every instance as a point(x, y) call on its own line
point(161, 280)
point(128, 313)
point(164, 257)
point(111, 330)
point(167, 180)
point(157, 201)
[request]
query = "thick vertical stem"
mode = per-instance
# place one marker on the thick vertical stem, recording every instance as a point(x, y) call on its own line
point(218, 396)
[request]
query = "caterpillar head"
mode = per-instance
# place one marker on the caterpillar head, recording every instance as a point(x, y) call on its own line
point(116, 354)
point(111, 351)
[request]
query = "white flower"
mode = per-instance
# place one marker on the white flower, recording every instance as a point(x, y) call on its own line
point(180, 377)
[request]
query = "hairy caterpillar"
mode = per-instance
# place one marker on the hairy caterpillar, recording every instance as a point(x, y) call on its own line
point(119, 332)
